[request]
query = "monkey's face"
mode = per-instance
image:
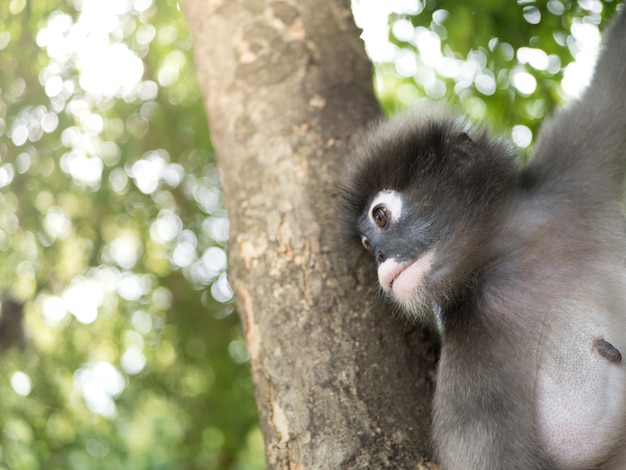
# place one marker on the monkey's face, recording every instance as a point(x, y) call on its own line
point(422, 195)
point(401, 241)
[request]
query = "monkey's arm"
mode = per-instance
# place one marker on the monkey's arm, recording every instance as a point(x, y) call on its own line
point(586, 142)
point(483, 408)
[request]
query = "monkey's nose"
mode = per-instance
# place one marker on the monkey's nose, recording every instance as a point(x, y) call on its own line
point(379, 255)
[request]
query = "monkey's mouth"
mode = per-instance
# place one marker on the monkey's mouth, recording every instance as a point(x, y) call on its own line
point(402, 279)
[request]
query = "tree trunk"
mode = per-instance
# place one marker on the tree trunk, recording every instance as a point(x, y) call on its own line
point(340, 383)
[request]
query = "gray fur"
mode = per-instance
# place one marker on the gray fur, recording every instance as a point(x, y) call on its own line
point(528, 274)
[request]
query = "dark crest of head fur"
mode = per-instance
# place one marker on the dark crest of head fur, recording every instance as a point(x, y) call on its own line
point(431, 159)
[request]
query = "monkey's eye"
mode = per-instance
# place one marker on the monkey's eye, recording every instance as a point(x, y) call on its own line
point(381, 216)
point(366, 244)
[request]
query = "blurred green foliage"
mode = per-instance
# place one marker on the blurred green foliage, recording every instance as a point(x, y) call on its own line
point(112, 234)
point(112, 223)
point(504, 63)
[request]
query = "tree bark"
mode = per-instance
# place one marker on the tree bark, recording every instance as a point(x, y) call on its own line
point(339, 382)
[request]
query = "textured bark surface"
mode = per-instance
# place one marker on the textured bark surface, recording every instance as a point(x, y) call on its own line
point(340, 383)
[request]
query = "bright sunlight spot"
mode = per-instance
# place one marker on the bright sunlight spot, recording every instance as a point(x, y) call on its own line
point(21, 383)
point(99, 384)
point(585, 49)
point(522, 136)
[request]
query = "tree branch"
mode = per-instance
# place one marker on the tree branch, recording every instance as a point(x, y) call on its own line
point(339, 382)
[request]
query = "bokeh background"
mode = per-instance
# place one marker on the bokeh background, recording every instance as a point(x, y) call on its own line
point(119, 344)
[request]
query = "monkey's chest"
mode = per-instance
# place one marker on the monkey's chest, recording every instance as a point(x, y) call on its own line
point(581, 392)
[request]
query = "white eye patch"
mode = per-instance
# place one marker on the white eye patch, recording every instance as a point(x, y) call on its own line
point(391, 200)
